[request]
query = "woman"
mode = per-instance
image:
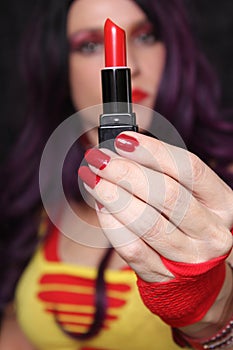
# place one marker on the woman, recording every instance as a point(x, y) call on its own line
point(184, 278)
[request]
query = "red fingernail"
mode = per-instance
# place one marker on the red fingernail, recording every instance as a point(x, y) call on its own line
point(88, 176)
point(97, 158)
point(126, 143)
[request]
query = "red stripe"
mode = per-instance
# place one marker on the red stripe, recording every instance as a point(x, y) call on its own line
point(118, 287)
point(60, 297)
point(50, 248)
point(86, 325)
point(81, 281)
point(66, 279)
point(75, 298)
point(87, 348)
point(108, 317)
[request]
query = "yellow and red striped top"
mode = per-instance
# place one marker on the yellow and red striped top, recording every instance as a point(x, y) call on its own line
point(52, 292)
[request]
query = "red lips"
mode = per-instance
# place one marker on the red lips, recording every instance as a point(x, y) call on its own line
point(138, 95)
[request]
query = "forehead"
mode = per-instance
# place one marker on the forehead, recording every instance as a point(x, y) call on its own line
point(93, 13)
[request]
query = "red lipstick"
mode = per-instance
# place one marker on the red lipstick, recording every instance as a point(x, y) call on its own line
point(115, 47)
point(116, 88)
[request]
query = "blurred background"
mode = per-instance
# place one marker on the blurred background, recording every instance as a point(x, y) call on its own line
point(212, 22)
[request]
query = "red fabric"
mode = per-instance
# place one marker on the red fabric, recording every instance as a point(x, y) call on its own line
point(87, 348)
point(59, 291)
point(50, 250)
point(183, 340)
point(186, 298)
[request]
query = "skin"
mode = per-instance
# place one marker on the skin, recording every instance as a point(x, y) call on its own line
point(189, 240)
point(85, 34)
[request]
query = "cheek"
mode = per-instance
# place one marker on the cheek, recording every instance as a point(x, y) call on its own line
point(156, 65)
point(85, 83)
point(153, 74)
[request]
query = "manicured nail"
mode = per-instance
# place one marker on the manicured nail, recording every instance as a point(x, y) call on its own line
point(88, 176)
point(126, 143)
point(97, 158)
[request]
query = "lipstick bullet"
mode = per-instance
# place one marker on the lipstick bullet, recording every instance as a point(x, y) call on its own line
point(116, 88)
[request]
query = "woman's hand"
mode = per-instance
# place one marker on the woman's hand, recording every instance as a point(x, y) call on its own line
point(160, 206)
point(159, 200)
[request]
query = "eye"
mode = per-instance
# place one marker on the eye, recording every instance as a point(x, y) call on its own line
point(147, 38)
point(145, 35)
point(86, 43)
point(89, 47)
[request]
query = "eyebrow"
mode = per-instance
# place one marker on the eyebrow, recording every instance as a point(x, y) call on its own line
point(101, 29)
point(142, 23)
point(84, 30)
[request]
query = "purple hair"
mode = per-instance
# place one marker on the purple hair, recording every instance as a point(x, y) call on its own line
point(188, 97)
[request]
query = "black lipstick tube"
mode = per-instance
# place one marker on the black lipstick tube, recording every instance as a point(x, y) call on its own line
point(117, 105)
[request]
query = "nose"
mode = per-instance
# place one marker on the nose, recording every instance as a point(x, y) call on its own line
point(133, 61)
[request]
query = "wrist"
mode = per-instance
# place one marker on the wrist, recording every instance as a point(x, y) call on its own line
point(215, 330)
point(185, 299)
point(218, 315)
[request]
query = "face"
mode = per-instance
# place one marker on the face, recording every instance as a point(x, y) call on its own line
point(145, 54)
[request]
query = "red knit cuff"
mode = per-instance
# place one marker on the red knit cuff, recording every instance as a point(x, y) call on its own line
point(186, 298)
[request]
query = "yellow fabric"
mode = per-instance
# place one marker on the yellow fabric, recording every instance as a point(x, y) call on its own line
point(134, 329)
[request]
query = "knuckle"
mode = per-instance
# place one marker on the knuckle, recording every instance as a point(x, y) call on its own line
point(172, 193)
point(198, 167)
point(222, 240)
point(108, 192)
point(227, 213)
point(219, 242)
point(156, 149)
point(151, 234)
point(134, 253)
point(130, 175)
point(224, 209)
point(122, 169)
